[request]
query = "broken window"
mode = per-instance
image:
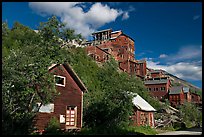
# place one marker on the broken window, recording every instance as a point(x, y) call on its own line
point(163, 88)
point(59, 80)
point(48, 108)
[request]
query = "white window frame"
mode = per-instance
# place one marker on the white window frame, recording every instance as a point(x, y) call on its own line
point(63, 78)
point(75, 117)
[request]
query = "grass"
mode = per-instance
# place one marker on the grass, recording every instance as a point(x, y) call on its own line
point(146, 130)
point(137, 130)
point(130, 130)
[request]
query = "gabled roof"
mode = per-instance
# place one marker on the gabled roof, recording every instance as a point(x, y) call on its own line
point(72, 74)
point(141, 104)
point(176, 90)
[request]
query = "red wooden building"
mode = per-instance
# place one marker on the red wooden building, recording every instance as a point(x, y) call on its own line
point(157, 83)
point(118, 45)
point(67, 107)
point(143, 114)
point(158, 87)
point(176, 96)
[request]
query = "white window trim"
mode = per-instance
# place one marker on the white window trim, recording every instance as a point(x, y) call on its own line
point(60, 77)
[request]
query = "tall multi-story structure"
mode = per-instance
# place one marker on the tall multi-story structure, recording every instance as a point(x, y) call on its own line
point(120, 46)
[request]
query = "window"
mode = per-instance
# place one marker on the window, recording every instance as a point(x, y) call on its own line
point(71, 116)
point(156, 89)
point(122, 56)
point(163, 88)
point(60, 80)
point(48, 108)
point(149, 89)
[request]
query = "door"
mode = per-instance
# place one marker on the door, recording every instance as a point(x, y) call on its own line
point(71, 117)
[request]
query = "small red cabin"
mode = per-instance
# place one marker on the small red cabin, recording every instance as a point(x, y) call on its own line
point(67, 107)
point(143, 113)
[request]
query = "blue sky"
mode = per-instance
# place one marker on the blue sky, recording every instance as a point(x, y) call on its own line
point(167, 34)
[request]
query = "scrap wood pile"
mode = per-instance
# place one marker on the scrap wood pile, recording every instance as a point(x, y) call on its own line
point(167, 117)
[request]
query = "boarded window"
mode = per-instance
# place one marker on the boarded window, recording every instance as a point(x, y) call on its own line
point(62, 118)
point(60, 80)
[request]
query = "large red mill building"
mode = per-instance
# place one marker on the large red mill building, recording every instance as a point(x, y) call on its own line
point(107, 43)
point(120, 46)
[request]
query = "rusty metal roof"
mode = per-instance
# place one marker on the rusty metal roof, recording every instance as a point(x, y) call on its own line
point(175, 90)
point(162, 81)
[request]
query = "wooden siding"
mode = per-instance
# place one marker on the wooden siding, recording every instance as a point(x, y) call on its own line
point(70, 95)
point(122, 49)
point(142, 118)
point(160, 93)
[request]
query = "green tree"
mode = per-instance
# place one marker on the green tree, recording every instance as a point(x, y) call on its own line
point(190, 114)
point(25, 77)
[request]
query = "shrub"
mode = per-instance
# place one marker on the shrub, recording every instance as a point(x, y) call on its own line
point(53, 126)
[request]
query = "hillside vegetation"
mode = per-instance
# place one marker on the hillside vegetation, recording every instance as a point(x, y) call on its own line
point(25, 61)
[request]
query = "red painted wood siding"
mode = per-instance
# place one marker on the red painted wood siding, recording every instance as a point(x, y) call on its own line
point(122, 50)
point(70, 95)
point(149, 118)
point(158, 94)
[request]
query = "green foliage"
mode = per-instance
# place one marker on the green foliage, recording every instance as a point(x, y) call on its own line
point(146, 130)
point(199, 92)
point(53, 127)
point(127, 130)
point(176, 84)
point(25, 78)
point(190, 114)
point(106, 104)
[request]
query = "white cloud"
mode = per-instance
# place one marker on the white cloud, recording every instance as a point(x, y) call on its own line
point(196, 17)
point(74, 16)
point(163, 56)
point(187, 53)
point(183, 70)
point(125, 16)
